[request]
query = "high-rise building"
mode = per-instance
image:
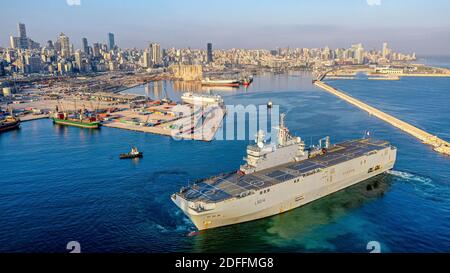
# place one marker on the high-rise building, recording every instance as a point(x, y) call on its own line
point(85, 45)
point(50, 44)
point(32, 44)
point(358, 53)
point(2, 68)
point(155, 52)
point(96, 49)
point(23, 40)
point(14, 42)
point(22, 30)
point(78, 60)
point(146, 59)
point(326, 53)
point(385, 50)
point(33, 63)
point(111, 43)
point(209, 53)
point(65, 45)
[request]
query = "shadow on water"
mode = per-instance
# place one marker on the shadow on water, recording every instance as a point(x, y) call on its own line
point(295, 230)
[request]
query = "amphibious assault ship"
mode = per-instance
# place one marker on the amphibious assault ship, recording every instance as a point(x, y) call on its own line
point(282, 176)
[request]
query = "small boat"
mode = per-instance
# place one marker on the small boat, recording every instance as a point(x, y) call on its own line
point(247, 81)
point(133, 154)
point(269, 104)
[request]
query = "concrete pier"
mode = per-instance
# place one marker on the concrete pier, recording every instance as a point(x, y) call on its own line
point(438, 144)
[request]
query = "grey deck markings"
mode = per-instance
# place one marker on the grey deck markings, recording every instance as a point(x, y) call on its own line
point(225, 186)
point(199, 192)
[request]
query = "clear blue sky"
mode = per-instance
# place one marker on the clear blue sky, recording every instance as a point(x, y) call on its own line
point(408, 25)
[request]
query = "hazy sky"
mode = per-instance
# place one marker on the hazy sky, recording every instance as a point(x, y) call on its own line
point(408, 25)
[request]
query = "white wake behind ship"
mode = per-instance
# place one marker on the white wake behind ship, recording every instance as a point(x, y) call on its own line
point(282, 176)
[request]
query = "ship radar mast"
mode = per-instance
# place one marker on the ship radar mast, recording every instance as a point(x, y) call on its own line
point(283, 133)
point(260, 139)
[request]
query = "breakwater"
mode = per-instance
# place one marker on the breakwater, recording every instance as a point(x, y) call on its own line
point(438, 144)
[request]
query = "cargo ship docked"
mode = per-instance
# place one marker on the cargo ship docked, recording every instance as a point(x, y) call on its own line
point(9, 123)
point(76, 119)
point(282, 176)
point(210, 82)
point(201, 99)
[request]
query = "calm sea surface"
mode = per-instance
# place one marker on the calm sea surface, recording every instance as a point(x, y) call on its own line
point(60, 184)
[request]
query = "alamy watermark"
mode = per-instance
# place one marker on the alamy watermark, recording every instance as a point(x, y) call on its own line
point(74, 247)
point(374, 247)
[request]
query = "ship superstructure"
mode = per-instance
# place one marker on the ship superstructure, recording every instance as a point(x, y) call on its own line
point(277, 178)
point(262, 156)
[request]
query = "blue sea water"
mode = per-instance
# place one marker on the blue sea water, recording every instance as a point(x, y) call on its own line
point(60, 184)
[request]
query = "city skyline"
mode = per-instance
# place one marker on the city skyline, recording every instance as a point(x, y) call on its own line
point(178, 24)
point(27, 57)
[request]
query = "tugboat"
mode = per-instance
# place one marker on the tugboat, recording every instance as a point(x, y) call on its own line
point(133, 154)
point(247, 81)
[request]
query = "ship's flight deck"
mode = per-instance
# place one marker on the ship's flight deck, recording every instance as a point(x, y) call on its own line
point(230, 185)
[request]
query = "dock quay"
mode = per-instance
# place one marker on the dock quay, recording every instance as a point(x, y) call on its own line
point(129, 112)
point(33, 117)
point(164, 120)
point(438, 144)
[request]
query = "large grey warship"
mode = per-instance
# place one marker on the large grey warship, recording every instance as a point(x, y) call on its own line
point(282, 176)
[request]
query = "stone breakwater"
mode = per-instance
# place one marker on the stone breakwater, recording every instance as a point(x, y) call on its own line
point(438, 144)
